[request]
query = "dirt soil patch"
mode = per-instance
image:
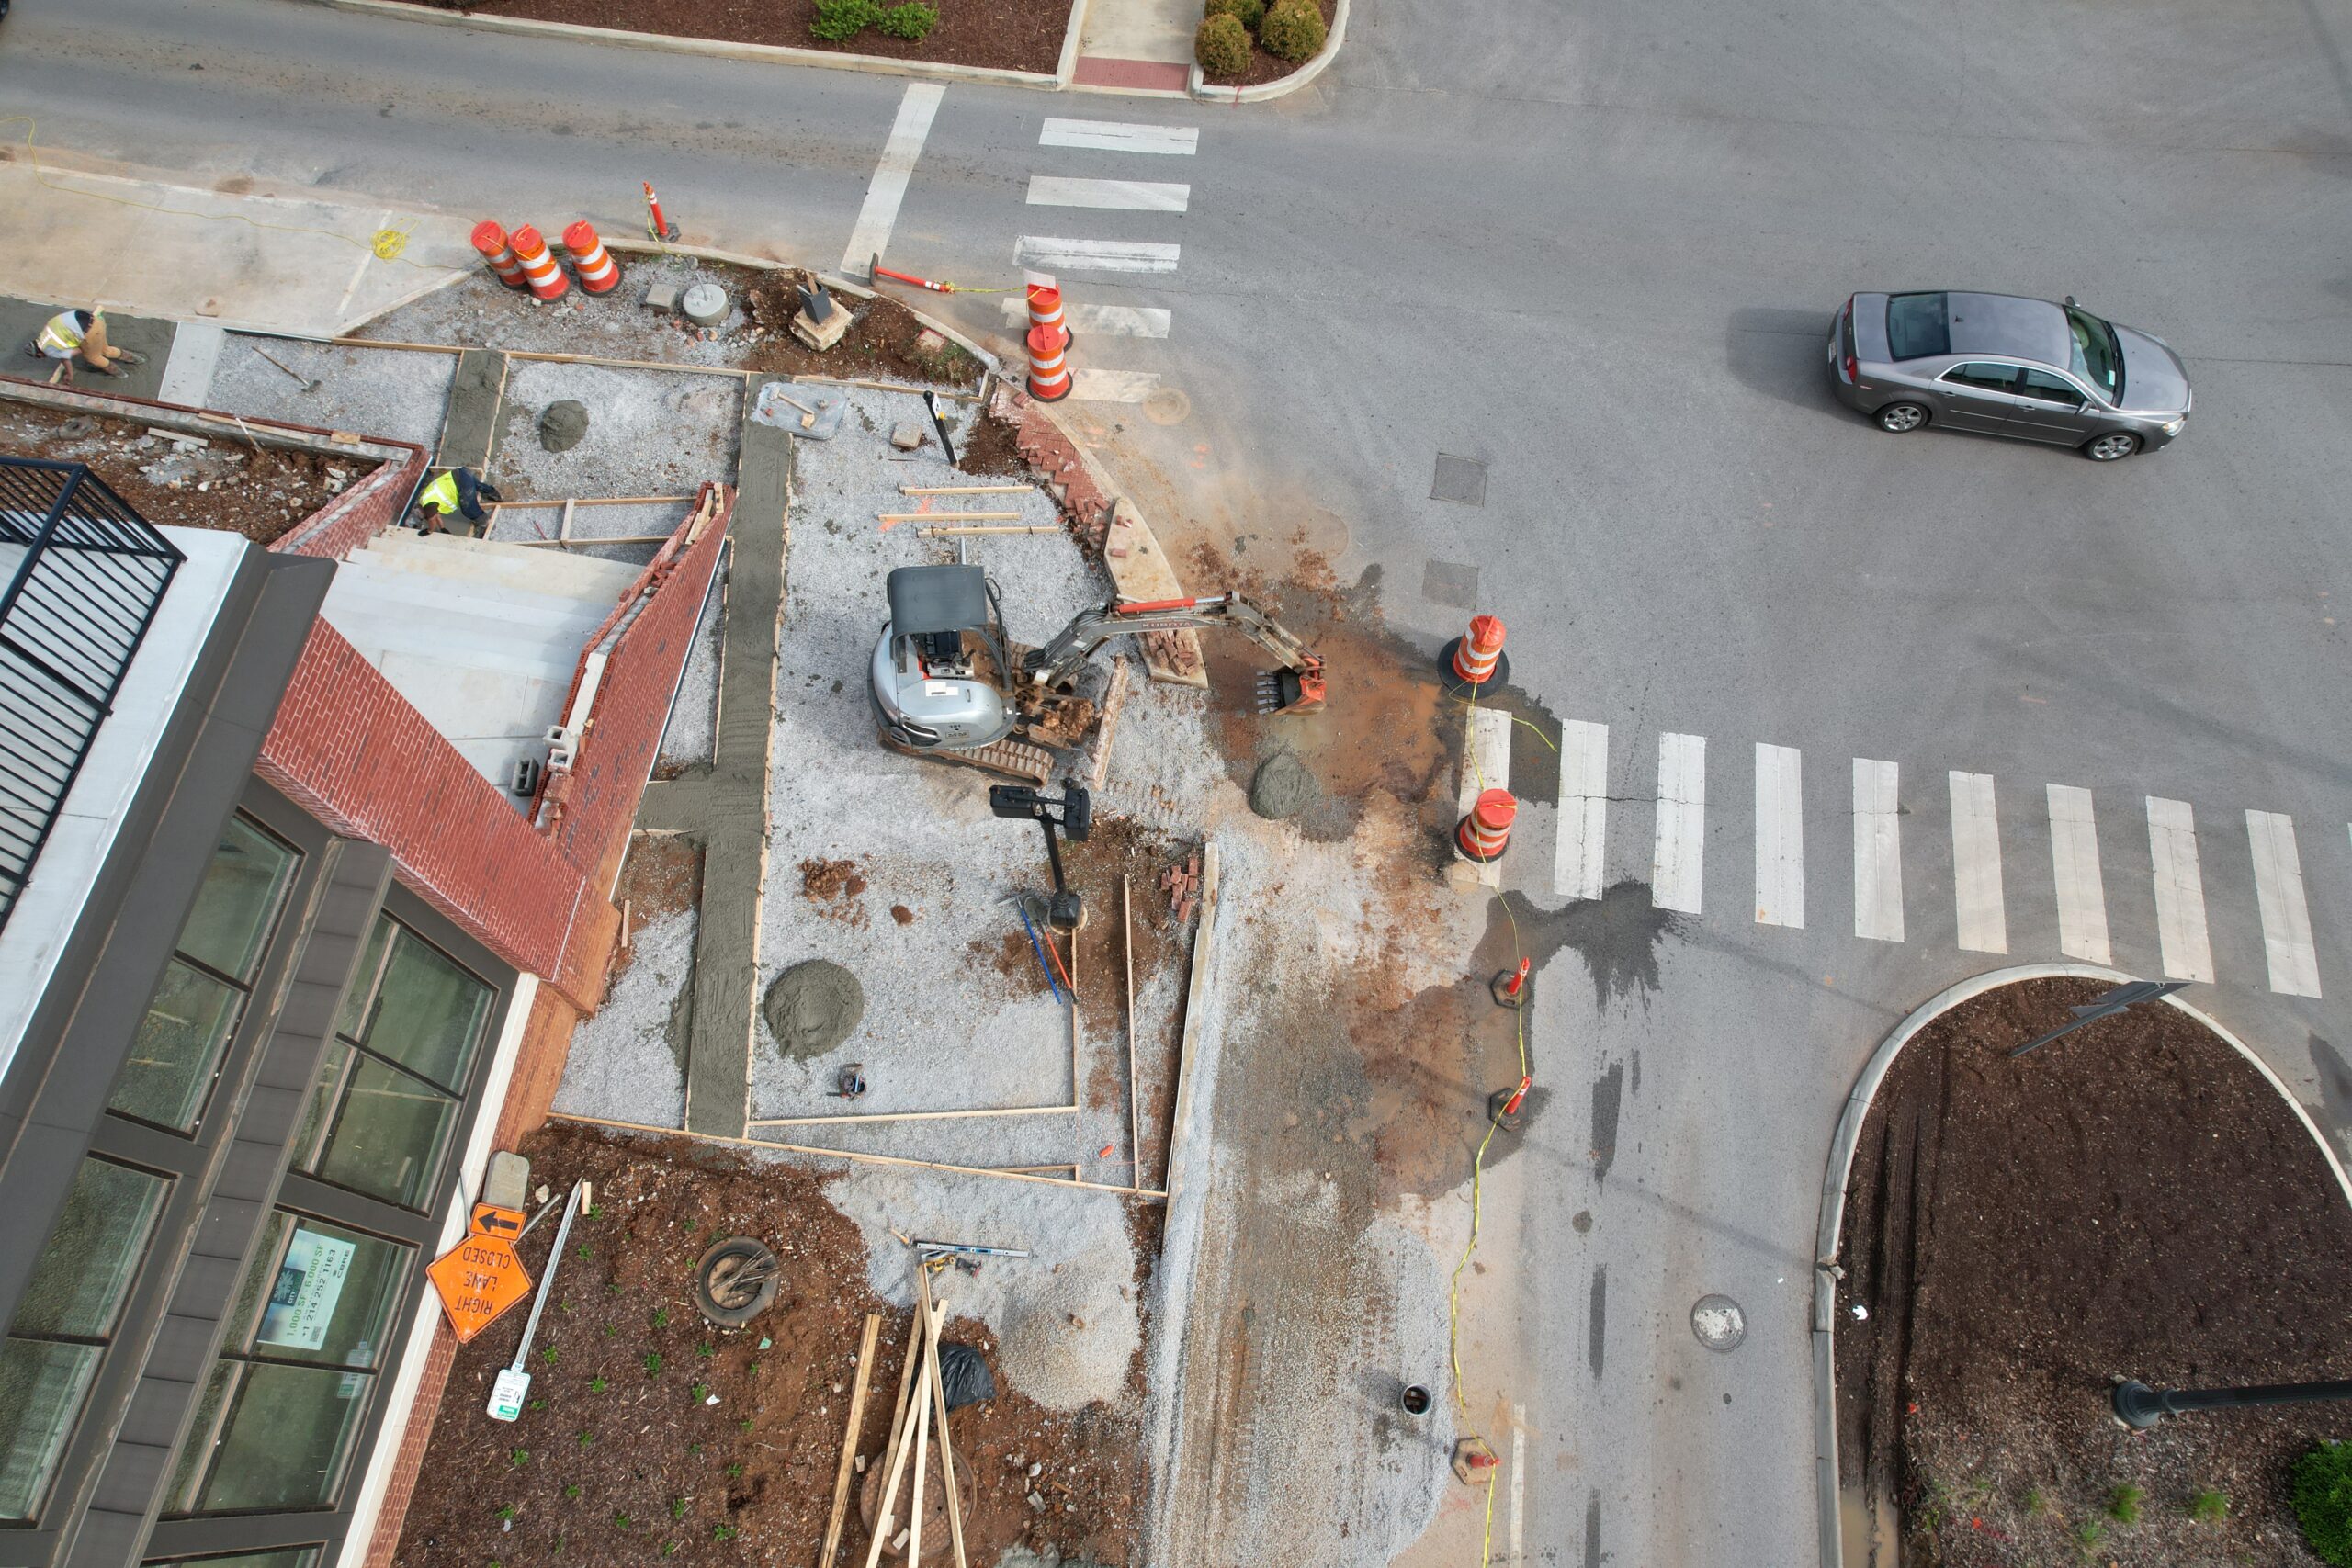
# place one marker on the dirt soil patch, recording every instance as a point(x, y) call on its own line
point(649, 1436)
point(2135, 1200)
point(1007, 35)
point(229, 485)
point(884, 342)
point(1264, 67)
point(661, 877)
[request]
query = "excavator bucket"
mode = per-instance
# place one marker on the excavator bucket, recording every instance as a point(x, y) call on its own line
point(1291, 691)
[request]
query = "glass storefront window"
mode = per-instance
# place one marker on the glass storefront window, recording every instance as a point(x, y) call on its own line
point(286, 1439)
point(287, 1557)
point(386, 1098)
point(63, 1323)
point(168, 1077)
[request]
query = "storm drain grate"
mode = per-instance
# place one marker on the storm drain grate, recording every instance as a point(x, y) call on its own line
point(1462, 479)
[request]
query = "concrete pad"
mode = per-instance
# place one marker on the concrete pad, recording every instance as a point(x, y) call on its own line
point(196, 355)
point(21, 320)
point(369, 391)
point(1159, 30)
point(305, 266)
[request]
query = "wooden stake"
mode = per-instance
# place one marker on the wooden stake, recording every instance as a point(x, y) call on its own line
point(627, 364)
point(596, 501)
point(388, 343)
point(939, 1397)
point(853, 1155)
point(1112, 703)
point(962, 490)
point(1195, 1002)
point(583, 544)
point(848, 1441)
point(926, 1394)
point(563, 523)
point(883, 386)
point(909, 1389)
point(1127, 947)
point(992, 528)
point(951, 516)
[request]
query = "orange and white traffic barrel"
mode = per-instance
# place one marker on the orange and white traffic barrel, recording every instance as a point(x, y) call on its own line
point(1484, 833)
point(1046, 312)
point(1475, 660)
point(599, 273)
point(545, 278)
point(1049, 379)
point(490, 241)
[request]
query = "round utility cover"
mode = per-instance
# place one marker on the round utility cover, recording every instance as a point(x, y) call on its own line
point(705, 304)
point(1718, 1322)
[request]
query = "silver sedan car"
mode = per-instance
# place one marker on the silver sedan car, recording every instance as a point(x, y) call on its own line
point(2005, 366)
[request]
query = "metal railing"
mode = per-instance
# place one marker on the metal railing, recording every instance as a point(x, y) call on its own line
point(85, 577)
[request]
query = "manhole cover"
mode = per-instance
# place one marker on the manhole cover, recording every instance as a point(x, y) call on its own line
point(1718, 1322)
point(1462, 479)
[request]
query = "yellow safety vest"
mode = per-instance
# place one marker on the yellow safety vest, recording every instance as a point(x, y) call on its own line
point(442, 493)
point(61, 336)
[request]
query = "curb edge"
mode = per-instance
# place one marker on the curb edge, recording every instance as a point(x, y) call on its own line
point(1264, 92)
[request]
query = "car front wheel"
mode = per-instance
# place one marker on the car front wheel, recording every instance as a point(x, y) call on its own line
point(1900, 417)
point(2112, 447)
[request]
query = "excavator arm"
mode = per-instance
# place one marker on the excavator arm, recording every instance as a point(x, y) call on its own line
point(1296, 687)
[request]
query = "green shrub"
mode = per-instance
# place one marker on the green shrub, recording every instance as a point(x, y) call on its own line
point(1293, 30)
point(1222, 46)
point(909, 21)
point(2123, 1505)
point(2208, 1507)
point(840, 20)
point(2323, 1501)
point(1251, 12)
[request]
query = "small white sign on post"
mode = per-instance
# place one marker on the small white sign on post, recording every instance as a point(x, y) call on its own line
point(507, 1393)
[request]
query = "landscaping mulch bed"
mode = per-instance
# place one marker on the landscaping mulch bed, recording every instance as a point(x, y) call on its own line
point(227, 484)
point(619, 1457)
point(2135, 1200)
point(1264, 67)
point(1008, 35)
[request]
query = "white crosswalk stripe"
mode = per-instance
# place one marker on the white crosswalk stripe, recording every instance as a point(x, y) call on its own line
point(1115, 195)
point(2278, 891)
point(1057, 255)
point(1779, 836)
point(1095, 321)
point(887, 189)
point(1878, 853)
point(2186, 953)
point(1976, 865)
point(1113, 136)
point(1676, 856)
point(2074, 861)
point(1584, 809)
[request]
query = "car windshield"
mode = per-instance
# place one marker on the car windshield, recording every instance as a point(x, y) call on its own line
point(1918, 325)
point(2097, 356)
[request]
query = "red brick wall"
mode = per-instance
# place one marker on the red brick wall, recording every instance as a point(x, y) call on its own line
point(360, 513)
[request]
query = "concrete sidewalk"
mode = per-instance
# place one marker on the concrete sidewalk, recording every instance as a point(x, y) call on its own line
point(249, 260)
point(1138, 46)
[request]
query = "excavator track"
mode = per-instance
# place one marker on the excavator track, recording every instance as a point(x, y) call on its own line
point(1010, 759)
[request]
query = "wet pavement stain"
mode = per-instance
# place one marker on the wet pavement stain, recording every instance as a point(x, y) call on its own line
point(1617, 936)
point(1596, 1336)
point(1608, 1098)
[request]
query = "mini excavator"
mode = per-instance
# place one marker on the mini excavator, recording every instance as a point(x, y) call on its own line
point(948, 685)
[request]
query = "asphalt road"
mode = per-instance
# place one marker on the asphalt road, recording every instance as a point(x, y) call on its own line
point(1596, 249)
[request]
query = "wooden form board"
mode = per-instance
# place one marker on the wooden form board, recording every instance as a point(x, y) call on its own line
point(1196, 997)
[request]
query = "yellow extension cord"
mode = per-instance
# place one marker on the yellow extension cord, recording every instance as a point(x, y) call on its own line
point(1478, 1160)
point(387, 244)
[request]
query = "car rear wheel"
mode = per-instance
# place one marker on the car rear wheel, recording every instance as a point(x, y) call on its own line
point(2112, 447)
point(1901, 417)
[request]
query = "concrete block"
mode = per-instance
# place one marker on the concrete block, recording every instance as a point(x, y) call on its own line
point(822, 335)
point(662, 297)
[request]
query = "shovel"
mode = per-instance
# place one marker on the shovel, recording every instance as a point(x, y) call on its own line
point(303, 382)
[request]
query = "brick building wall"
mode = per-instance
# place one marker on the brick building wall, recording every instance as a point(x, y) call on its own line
point(362, 512)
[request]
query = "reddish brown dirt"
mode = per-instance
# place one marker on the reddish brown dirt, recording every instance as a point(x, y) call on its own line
point(901, 914)
point(885, 345)
point(993, 447)
point(662, 1476)
point(1264, 67)
point(661, 877)
point(1116, 848)
point(834, 887)
point(2134, 1200)
point(261, 494)
point(1010, 35)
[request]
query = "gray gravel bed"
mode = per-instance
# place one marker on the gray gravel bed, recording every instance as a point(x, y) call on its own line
point(625, 1057)
point(479, 310)
point(650, 432)
point(397, 393)
point(692, 735)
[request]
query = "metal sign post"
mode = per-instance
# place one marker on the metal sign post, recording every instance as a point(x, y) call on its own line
point(939, 422)
point(514, 1383)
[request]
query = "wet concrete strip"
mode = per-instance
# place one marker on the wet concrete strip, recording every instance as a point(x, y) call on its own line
point(734, 796)
point(471, 422)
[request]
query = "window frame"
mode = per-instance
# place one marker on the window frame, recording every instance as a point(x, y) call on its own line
point(2017, 377)
point(2085, 400)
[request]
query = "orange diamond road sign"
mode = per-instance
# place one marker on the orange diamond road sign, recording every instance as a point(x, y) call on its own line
point(481, 1278)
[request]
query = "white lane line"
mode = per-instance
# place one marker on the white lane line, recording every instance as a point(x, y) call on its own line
point(1584, 809)
point(1117, 195)
point(2074, 860)
point(888, 186)
point(1113, 136)
point(1096, 320)
point(2180, 890)
point(1486, 764)
point(1878, 853)
point(2286, 919)
point(1976, 865)
point(1090, 386)
point(1779, 836)
point(1677, 868)
point(1094, 255)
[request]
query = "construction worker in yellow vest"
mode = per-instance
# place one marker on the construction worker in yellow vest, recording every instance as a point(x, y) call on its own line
point(457, 493)
point(83, 334)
